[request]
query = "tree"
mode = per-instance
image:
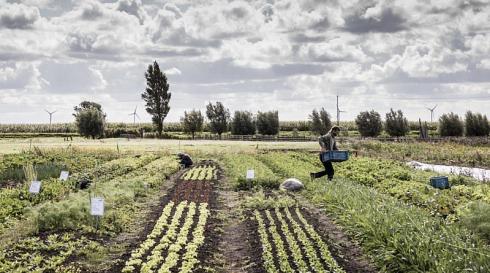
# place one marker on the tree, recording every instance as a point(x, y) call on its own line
point(192, 122)
point(369, 123)
point(219, 117)
point(396, 124)
point(320, 122)
point(476, 124)
point(156, 96)
point(268, 123)
point(242, 123)
point(90, 119)
point(450, 125)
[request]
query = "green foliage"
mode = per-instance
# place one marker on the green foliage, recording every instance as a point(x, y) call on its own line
point(400, 238)
point(90, 119)
point(320, 122)
point(268, 123)
point(450, 125)
point(396, 123)
point(476, 124)
point(218, 116)
point(236, 166)
point(259, 200)
point(156, 96)
point(369, 123)
point(476, 217)
point(242, 123)
point(192, 122)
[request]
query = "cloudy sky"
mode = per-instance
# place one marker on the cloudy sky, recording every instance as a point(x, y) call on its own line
point(286, 55)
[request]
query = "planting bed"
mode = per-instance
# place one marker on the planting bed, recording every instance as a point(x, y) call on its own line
point(175, 243)
point(290, 244)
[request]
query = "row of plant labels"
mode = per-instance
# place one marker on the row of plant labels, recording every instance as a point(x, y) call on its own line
point(96, 203)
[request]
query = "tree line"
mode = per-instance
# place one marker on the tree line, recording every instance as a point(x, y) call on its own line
point(91, 120)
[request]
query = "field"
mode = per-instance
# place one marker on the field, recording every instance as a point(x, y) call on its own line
point(377, 215)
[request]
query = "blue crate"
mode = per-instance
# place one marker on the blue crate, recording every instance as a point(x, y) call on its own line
point(440, 182)
point(335, 156)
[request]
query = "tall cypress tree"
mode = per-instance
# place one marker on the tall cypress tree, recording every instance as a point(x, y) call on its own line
point(156, 95)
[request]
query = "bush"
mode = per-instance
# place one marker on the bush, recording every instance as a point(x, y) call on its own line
point(242, 123)
point(268, 123)
point(396, 124)
point(369, 123)
point(90, 119)
point(450, 125)
point(476, 124)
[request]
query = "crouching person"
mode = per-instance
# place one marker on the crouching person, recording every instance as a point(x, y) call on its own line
point(185, 160)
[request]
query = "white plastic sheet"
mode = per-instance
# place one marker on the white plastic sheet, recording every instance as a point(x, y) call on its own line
point(477, 173)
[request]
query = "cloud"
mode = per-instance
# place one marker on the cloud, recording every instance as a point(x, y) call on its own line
point(18, 16)
point(384, 21)
point(22, 76)
point(173, 71)
point(133, 7)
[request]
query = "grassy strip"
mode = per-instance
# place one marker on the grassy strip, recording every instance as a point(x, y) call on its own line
point(236, 167)
point(400, 238)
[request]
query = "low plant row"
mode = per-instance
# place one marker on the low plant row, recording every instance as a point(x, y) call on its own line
point(204, 172)
point(291, 246)
point(45, 255)
point(175, 239)
point(236, 166)
point(15, 201)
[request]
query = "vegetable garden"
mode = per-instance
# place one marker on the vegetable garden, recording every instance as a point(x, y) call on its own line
point(378, 215)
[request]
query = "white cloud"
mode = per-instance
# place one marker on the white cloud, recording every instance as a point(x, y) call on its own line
point(173, 71)
point(18, 16)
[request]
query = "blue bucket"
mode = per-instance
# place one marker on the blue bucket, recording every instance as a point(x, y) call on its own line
point(440, 182)
point(335, 156)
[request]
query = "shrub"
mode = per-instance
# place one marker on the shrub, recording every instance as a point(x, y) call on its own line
point(268, 123)
point(450, 125)
point(396, 123)
point(369, 123)
point(242, 123)
point(90, 119)
point(476, 124)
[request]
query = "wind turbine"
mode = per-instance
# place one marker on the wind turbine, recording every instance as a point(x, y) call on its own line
point(431, 112)
point(50, 115)
point(134, 114)
point(338, 112)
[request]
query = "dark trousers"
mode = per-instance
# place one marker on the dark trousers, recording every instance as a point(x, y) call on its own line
point(328, 170)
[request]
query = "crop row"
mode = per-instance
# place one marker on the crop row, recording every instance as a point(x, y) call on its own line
point(205, 172)
point(14, 201)
point(236, 166)
point(174, 240)
point(289, 245)
point(45, 255)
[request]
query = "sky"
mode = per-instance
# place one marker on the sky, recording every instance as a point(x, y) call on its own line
point(257, 55)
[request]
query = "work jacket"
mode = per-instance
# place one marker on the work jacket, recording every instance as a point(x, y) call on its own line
point(328, 142)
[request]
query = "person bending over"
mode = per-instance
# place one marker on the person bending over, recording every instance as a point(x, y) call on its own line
point(327, 143)
point(185, 160)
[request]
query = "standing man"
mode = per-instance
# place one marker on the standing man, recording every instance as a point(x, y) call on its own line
point(327, 143)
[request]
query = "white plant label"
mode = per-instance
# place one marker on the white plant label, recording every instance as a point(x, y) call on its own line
point(250, 174)
point(35, 187)
point(97, 207)
point(64, 175)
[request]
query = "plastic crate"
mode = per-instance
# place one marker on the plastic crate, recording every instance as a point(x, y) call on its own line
point(440, 182)
point(335, 156)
